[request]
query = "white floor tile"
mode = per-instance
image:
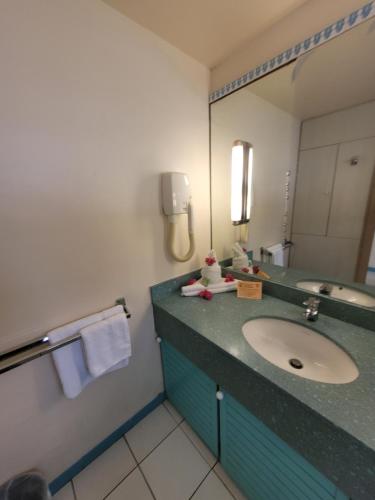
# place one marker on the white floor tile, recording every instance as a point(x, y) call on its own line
point(133, 487)
point(65, 493)
point(199, 444)
point(172, 410)
point(232, 487)
point(175, 468)
point(102, 475)
point(212, 489)
point(150, 432)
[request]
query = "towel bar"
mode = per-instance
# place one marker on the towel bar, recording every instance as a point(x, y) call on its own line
point(39, 347)
point(267, 253)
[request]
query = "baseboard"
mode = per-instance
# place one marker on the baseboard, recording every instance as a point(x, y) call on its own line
point(90, 456)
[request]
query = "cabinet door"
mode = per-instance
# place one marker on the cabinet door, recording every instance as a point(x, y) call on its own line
point(315, 174)
point(351, 188)
point(262, 465)
point(192, 393)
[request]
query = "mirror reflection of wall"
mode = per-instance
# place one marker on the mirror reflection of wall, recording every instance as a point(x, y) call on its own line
point(274, 134)
point(315, 119)
point(335, 168)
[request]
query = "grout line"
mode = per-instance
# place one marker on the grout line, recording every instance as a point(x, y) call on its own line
point(138, 462)
point(126, 475)
point(200, 484)
point(147, 483)
point(154, 448)
point(118, 484)
point(73, 489)
point(130, 449)
point(196, 447)
point(170, 413)
point(225, 486)
point(139, 468)
point(211, 468)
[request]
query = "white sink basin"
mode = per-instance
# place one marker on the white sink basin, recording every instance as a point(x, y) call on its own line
point(300, 350)
point(340, 292)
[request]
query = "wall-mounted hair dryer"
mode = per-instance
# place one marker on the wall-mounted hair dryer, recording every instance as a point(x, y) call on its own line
point(176, 201)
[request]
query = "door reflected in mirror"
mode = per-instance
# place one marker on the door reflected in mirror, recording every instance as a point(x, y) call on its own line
point(312, 128)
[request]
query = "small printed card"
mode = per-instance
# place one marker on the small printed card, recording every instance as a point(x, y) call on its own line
point(249, 290)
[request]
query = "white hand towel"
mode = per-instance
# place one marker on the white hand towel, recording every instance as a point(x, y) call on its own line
point(227, 287)
point(106, 343)
point(277, 254)
point(69, 360)
point(196, 288)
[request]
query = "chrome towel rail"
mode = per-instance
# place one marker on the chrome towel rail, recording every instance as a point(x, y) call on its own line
point(267, 253)
point(28, 351)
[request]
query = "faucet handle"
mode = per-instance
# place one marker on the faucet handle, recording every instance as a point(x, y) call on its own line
point(311, 302)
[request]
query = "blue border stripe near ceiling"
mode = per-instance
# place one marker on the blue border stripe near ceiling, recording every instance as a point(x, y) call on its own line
point(89, 457)
point(331, 31)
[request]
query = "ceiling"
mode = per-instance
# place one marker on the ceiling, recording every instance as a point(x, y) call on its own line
point(207, 30)
point(336, 75)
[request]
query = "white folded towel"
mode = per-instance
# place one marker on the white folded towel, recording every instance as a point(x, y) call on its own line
point(197, 288)
point(277, 252)
point(106, 343)
point(69, 360)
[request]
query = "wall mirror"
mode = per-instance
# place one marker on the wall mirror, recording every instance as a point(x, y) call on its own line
point(311, 125)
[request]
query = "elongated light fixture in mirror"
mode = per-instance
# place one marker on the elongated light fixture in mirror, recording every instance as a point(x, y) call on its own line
point(242, 178)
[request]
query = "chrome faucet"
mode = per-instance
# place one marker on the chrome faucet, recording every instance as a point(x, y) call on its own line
point(312, 308)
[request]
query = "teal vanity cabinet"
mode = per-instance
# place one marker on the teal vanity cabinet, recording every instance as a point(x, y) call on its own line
point(263, 466)
point(193, 394)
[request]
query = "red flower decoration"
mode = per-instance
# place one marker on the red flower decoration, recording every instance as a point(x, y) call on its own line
point(245, 269)
point(244, 249)
point(205, 294)
point(256, 269)
point(191, 281)
point(210, 261)
point(228, 278)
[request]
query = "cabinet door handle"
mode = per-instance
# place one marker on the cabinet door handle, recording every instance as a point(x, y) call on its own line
point(219, 395)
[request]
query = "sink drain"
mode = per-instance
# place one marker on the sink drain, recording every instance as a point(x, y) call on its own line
point(296, 363)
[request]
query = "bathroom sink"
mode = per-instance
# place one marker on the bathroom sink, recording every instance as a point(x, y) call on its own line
point(340, 292)
point(300, 350)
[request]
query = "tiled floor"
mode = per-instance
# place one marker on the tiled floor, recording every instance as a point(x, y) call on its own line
point(161, 458)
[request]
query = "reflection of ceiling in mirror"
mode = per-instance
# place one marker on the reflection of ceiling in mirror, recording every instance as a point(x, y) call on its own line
point(336, 75)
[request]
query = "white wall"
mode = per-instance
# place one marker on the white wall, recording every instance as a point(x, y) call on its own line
point(274, 134)
point(345, 125)
point(92, 109)
point(311, 17)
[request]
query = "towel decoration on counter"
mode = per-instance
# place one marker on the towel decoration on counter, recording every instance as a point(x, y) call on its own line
point(211, 271)
point(240, 260)
point(211, 281)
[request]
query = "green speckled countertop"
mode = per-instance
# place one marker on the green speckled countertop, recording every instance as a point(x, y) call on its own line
point(283, 284)
point(291, 276)
point(341, 418)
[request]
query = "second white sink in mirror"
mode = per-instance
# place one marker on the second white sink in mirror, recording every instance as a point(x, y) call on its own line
point(300, 350)
point(340, 292)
